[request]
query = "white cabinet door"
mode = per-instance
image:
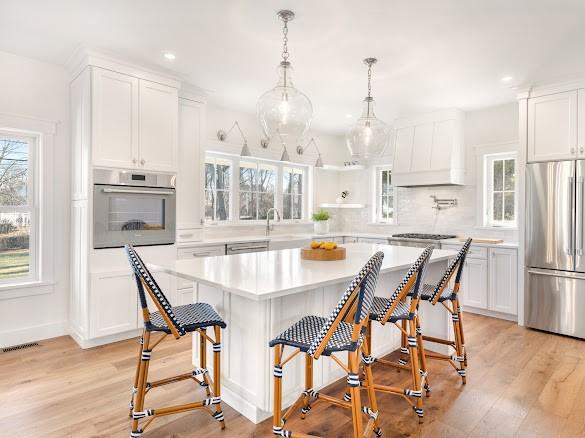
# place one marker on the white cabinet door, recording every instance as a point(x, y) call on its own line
point(114, 119)
point(403, 149)
point(113, 304)
point(185, 296)
point(503, 280)
point(474, 280)
point(189, 175)
point(552, 127)
point(158, 126)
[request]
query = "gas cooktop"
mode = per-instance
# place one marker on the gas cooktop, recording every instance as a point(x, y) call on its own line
point(424, 236)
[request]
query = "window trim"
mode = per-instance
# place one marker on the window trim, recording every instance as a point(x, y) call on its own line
point(33, 208)
point(481, 152)
point(278, 190)
point(377, 197)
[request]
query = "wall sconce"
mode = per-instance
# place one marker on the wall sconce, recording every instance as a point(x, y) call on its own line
point(301, 150)
point(284, 156)
point(222, 136)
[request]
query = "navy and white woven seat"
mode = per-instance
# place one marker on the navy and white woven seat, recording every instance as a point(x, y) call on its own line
point(303, 333)
point(176, 322)
point(429, 290)
point(379, 306)
point(190, 316)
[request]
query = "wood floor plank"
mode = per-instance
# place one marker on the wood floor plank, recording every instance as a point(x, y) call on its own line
point(521, 383)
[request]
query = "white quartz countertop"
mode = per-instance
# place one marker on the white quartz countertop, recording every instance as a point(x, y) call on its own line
point(457, 241)
point(271, 274)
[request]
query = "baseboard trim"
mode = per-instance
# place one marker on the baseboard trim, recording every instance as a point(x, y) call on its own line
point(498, 315)
point(33, 334)
point(96, 342)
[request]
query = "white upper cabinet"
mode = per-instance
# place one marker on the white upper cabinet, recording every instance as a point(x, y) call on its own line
point(553, 126)
point(134, 122)
point(429, 150)
point(115, 119)
point(190, 175)
point(158, 126)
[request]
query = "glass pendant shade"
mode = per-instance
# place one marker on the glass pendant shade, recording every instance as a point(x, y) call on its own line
point(368, 137)
point(284, 109)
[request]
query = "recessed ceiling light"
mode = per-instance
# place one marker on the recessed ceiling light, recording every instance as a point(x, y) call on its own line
point(348, 116)
point(507, 78)
point(170, 56)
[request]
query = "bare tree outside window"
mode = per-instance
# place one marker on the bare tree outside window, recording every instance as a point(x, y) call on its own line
point(15, 208)
point(217, 189)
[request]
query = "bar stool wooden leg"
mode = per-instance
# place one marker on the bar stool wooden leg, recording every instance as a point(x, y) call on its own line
point(356, 405)
point(415, 369)
point(141, 386)
point(403, 359)
point(203, 360)
point(423, 357)
point(458, 332)
point(369, 381)
point(277, 425)
point(135, 387)
point(308, 386)
point(217, 375)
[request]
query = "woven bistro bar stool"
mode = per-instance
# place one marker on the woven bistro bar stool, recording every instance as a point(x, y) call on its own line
point(315, 336)
point(175, 321)
point(448, 296)
point(401, 309)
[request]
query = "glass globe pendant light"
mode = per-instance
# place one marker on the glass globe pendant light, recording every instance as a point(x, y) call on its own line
point(284, 109)
point(367, 139)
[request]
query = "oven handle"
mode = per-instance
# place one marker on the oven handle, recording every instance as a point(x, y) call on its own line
point(139, 192)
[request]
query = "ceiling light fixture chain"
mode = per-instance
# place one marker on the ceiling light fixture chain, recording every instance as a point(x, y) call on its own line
point(285, 53)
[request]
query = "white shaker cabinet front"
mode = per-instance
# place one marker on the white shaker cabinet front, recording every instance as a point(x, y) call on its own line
point(134, 122)
point(474, 283)
point(114, 119)
point(552, 127)
point(113, 303)
point(503, 280)
point(158, 110)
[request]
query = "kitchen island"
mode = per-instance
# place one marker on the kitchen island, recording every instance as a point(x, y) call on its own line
point(261, 294)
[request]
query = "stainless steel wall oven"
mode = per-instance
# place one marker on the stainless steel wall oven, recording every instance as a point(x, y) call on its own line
point(133, 207)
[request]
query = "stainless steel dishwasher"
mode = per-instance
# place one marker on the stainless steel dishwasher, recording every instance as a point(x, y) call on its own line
point(244, 247)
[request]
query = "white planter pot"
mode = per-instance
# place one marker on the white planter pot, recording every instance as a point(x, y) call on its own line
point(321, 227)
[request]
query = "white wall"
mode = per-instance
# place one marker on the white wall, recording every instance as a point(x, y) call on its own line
point(488, 126)
point(37, 90)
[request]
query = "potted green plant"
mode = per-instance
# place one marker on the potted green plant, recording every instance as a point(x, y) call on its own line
point(321, 220)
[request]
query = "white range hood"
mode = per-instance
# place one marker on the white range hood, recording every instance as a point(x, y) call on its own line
point(429, 150)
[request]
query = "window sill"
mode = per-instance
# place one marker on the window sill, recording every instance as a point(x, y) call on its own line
point(255, 224)
point(25, 289)
point(495, 228)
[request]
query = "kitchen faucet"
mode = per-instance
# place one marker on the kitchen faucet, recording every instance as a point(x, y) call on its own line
point(269, 227)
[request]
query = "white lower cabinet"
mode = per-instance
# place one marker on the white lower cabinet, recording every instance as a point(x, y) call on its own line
point(113, 303)
point(372, 240)
point(474, 283)
point(503, 281)
point(490, 280)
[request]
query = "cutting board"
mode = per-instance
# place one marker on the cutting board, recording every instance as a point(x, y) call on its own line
point(484, 240)
point(324, 255)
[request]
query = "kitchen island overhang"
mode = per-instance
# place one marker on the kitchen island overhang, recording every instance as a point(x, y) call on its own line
point(261, 294)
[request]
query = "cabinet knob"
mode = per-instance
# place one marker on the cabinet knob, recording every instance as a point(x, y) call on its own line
point(581, 149)
point(134, 160)
point(572, 150)
point(142, 162)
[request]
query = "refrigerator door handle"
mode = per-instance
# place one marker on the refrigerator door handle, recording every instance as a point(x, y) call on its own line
point(579, 216)
point(571, 225)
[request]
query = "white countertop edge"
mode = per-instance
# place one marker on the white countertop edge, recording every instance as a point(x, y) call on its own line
point(284, 292)
point(456, 241)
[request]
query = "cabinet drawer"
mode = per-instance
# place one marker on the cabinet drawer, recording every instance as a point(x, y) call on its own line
point(200, 251)
point(475, 252)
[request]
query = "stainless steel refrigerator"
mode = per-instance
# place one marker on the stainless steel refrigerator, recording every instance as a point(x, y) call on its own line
point(555, 257)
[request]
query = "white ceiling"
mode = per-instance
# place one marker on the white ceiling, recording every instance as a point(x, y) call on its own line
point(433, 54)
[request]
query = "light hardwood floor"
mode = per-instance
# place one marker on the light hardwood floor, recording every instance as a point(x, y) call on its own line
point(521, 383)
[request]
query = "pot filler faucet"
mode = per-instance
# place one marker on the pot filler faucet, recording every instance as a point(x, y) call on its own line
point(270, 227)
